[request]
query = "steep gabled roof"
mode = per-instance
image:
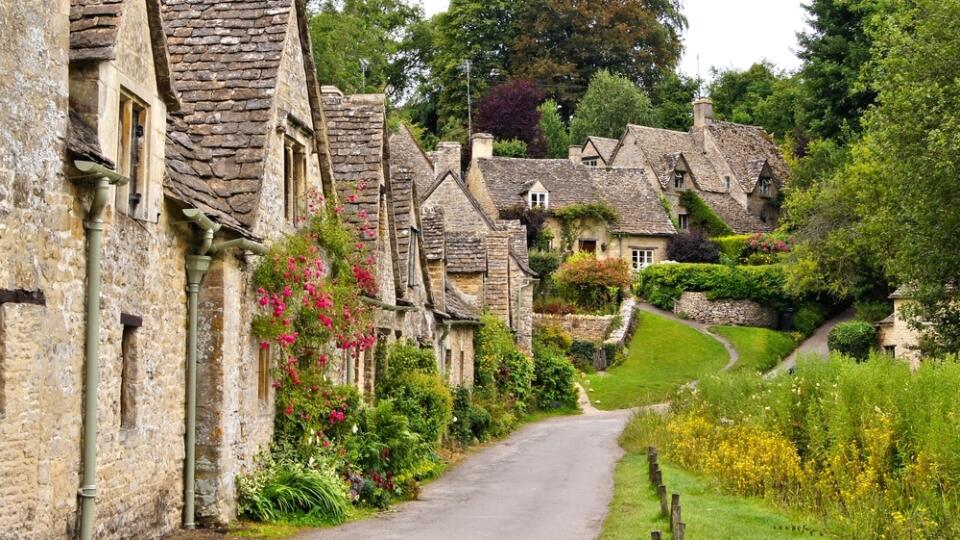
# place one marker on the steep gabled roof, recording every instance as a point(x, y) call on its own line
point(458, 307)
point(465, 252)
point(225, 58)
point(638, 207)
point(507, 179)
point(401, 194)
point(745, 148)
point(405, 152)
point(94, 30)
point(662, 149)
point(734, 215)
point(604, 146)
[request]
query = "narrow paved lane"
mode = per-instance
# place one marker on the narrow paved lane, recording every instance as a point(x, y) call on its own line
point(551, 480)
point(815, 344)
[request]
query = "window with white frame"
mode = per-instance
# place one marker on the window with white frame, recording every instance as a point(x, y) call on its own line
point(641, 258)
point(538, 200)
point(590, 162)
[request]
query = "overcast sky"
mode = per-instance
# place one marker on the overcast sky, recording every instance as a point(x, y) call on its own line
point(730, 33)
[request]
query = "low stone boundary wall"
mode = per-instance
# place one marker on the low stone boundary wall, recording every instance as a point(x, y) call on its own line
point(581, 327)
point(695, 306)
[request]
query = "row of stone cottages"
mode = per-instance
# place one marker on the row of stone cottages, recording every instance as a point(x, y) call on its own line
point(149, 150)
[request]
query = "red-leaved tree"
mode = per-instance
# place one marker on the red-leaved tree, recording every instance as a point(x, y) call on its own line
point(509, 111)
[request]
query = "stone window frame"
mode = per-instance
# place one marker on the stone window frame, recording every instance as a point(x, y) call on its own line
point(764, 186)
point(636, 263)
point(679, 178)
point(683, 220)
point(133, 199)
point(294, 178)
point(538, 199)
point(412, 257)
point(591, 161)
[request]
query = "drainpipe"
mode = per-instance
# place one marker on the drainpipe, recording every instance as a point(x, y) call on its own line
point(101, 178)
point(197, 266)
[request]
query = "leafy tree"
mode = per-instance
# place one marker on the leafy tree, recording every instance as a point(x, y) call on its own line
point(835, 51)
point(560, 44)
point(510, 148)
point(553, 129)
point(509, 111)
point(757, 96)
point(672, 99)
point(480, 31)
point(692, 247)
point(611, 102)
point(376, 31)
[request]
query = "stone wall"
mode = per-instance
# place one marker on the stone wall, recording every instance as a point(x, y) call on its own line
point(581, 327)
point(459, 355)
point(696, 306)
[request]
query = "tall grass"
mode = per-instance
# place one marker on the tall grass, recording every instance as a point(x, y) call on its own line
point(872, 448)
point(285, 491)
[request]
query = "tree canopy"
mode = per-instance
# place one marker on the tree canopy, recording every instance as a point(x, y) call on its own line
point(611, 102)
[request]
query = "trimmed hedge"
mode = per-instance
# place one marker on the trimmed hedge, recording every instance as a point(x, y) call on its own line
point(733, 246)
point(662, 284)
point(852, 338)
point(702, 216)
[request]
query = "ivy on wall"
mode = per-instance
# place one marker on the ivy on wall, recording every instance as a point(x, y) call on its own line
point(703, 217)
point(574, 218)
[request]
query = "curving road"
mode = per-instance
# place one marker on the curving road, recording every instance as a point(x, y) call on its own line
point(551, 480)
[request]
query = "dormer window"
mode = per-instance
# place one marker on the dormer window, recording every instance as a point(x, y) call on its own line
point(538, 200)
point(765, 187)
point(590, 162)
point(132, 155)
point(678, 179)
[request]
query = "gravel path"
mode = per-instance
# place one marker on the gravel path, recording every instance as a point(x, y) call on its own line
point(815, 344)
point(551, 480)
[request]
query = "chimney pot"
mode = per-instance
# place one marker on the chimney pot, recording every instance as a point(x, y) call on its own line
point(482, 146)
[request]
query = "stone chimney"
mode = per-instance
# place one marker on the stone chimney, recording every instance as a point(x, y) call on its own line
point(482, 146)
point(329, 90)
point(574, 152)
point(702, 112)
point(447, 158)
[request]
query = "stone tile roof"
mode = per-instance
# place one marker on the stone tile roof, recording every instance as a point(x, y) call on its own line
point(405, 152)
point(401, 200)
point(604, 146)
point(507, 179)
point(83, 141)
point(638, 207)
point(734, 215)
point(465, 252)
point(225, 58)
point(745, 149)
point(355, 130)
point(94, 27)
point(432, 221)
point(663, 148)
point(188, 177)
point(457, 306)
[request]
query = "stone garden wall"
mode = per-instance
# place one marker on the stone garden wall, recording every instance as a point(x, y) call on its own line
point(581, 327)
point(696, 306)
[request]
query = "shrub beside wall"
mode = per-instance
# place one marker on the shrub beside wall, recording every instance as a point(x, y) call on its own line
point(852, 338)
point(662, 284)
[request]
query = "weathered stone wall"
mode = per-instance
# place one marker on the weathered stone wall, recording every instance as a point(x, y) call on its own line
point(581, 327)
point(496, 290)
point(471, 285)
point(460, 214)
point(521, 306)
point(898, 335)
point(697, 307)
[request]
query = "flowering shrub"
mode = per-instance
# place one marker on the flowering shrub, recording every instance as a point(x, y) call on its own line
point(591, 283)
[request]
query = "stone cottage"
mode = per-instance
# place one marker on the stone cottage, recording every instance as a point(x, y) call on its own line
point(594, 152)
point(736, 169)
point(640, 233)
point(895, 336)
point(118, 116)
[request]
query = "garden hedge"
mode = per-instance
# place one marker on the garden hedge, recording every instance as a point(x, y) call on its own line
point(852, 338)
point(662, 284)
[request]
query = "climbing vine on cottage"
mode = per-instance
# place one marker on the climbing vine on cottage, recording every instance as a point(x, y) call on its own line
point(575, 217)
point(310, 289)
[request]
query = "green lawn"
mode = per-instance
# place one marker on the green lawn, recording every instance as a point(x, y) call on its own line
point(760, 348)
point(707, 513)
point(663, 356)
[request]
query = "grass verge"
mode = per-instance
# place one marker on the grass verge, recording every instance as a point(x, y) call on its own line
point(760, 348)
point(663, 355)
point(707, 512)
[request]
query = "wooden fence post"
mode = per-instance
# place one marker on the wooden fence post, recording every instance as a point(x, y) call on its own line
point(657, 477)
point(674, 511)
point(681, 530)
point(662, 492)
point(655, 535)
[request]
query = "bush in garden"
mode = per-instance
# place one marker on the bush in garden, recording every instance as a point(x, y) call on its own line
point(283, 490)
point(554, 337)
point(852, 338)
point(515, 380)
point(492, 341)
point(692, 247)
point(424, 399)
point(583, 354)
point(662, 284)
point(553, 305)
point(591, 283)
point(406, 357)
point(808, 318)
point(553, 383)
point(733, 246)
